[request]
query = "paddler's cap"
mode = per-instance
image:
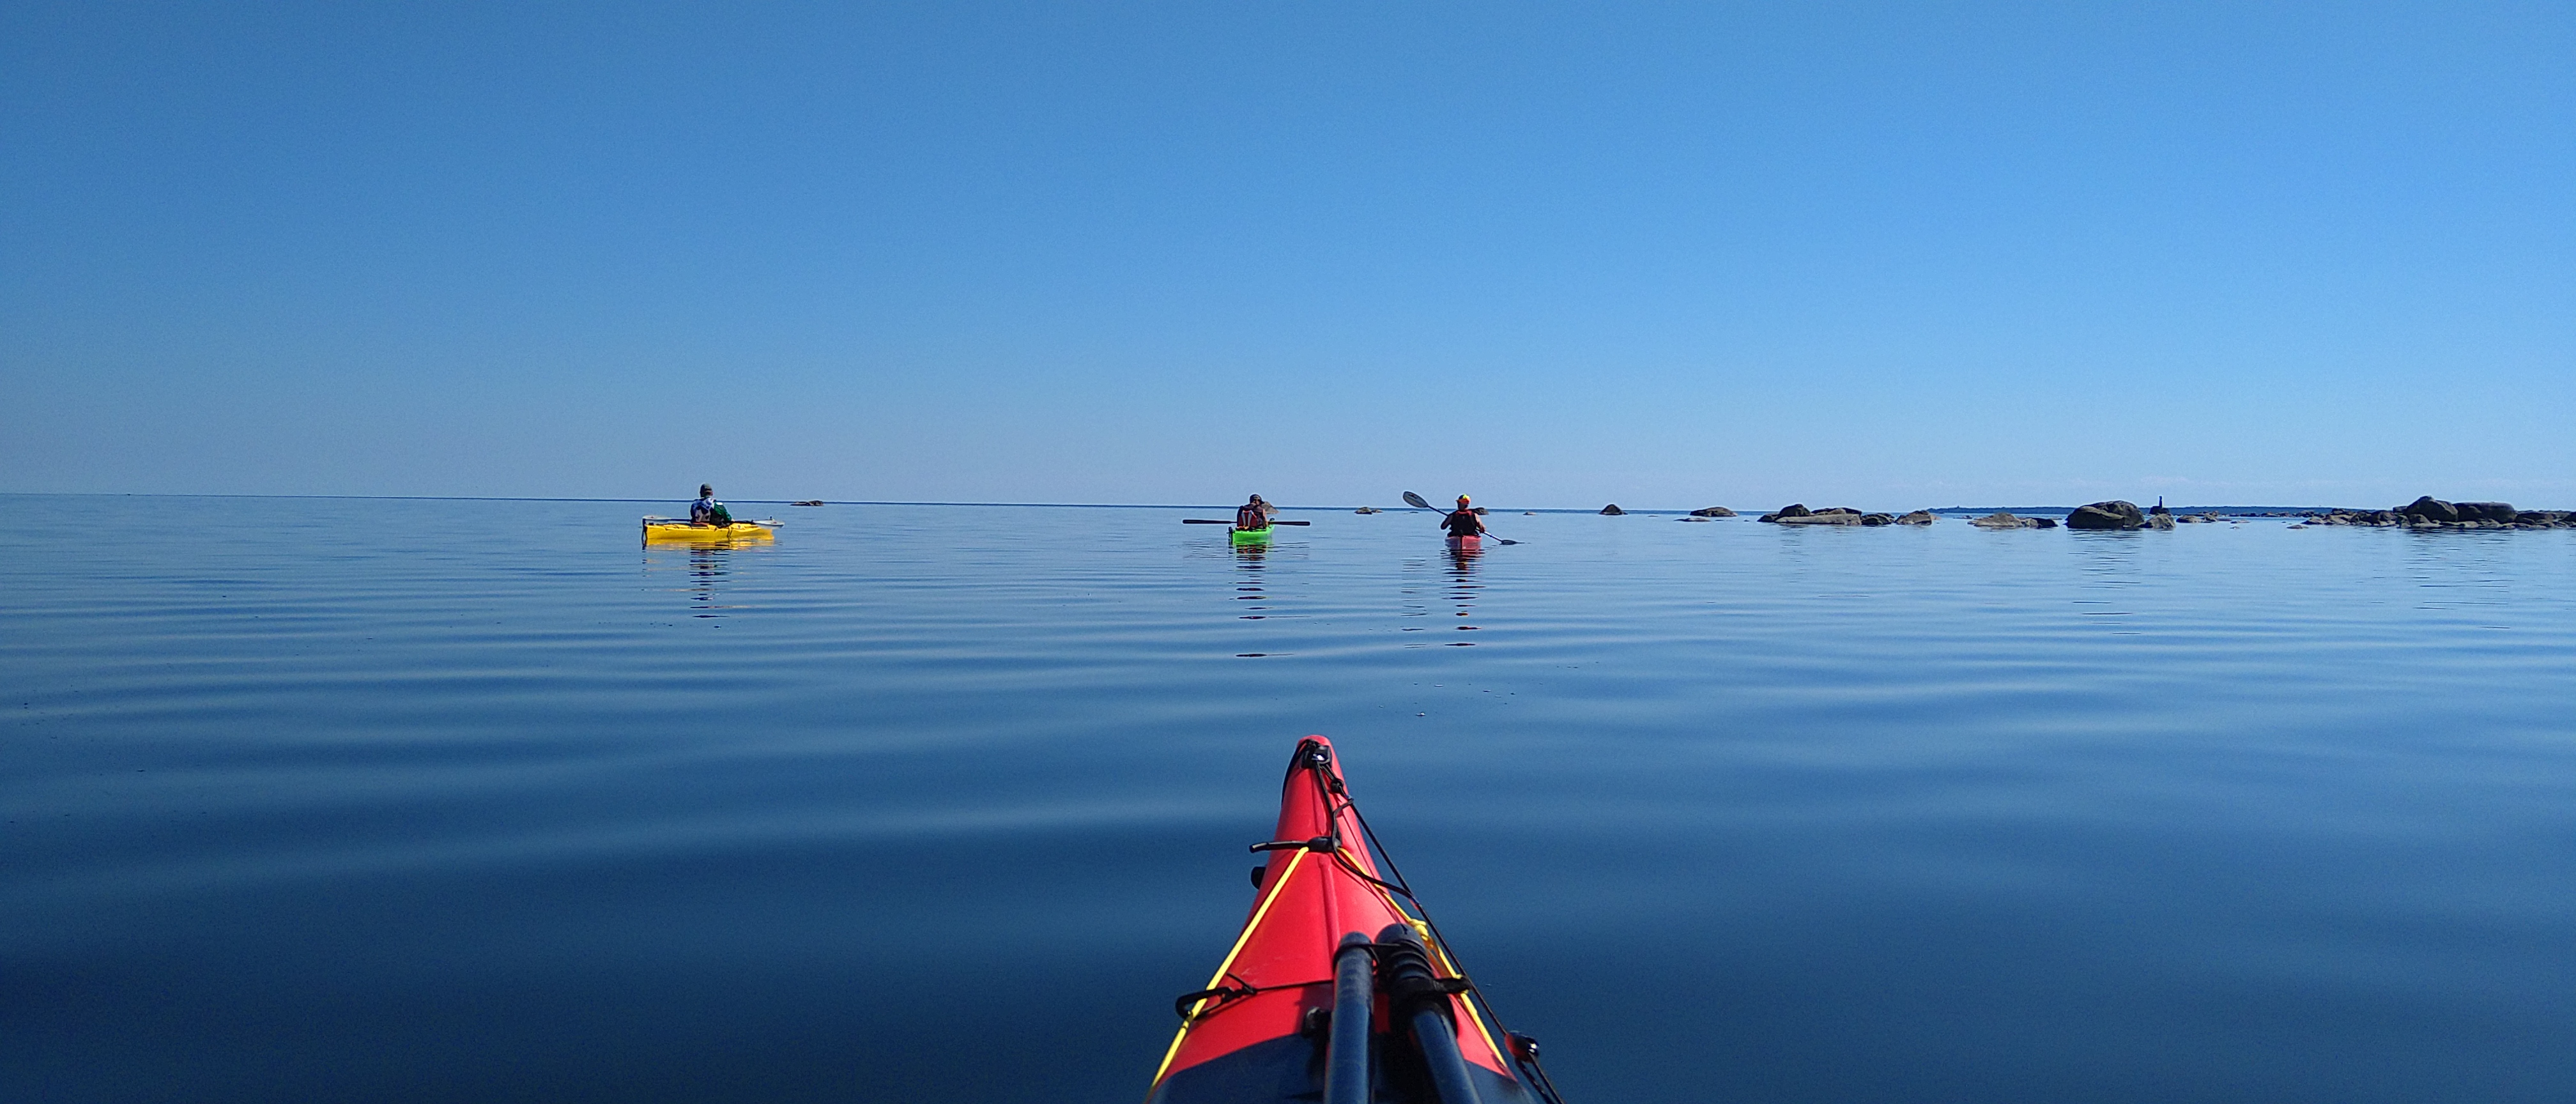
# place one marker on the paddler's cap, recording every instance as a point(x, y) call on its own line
point(1462, 500)
point(706, 488)
point(1256, 498)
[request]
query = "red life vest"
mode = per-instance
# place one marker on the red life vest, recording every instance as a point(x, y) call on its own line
point(1249, 516)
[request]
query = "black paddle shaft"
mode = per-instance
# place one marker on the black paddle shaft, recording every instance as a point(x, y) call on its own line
point(1417, 999)
point(1346, 1059)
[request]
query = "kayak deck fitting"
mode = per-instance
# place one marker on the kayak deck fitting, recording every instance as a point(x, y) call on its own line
point(1339, 988)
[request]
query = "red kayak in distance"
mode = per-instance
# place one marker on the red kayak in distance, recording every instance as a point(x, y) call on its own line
point(1339, 990)
point(1469, 543)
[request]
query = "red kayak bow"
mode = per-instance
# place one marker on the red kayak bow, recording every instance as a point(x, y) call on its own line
point(1339, 989)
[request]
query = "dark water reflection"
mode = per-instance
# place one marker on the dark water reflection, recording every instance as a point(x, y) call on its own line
point(300, 805)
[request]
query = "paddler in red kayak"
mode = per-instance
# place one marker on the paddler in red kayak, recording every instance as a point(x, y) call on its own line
point(1252, 515)
point(1463, 524)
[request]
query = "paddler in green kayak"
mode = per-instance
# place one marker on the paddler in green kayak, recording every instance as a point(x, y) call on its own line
point(706, 510)
point(1253, 515)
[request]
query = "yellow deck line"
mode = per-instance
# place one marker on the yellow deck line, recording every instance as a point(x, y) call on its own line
point(1277, 885)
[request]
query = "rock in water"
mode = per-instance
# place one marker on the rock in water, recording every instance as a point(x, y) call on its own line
point(1794, 509)
point(2429, 508)
point(1613, 510)
point(2000, 519)
point(1827, 517)
point(1712, 511)
point(1878, 519)
point(1918, 517)
point(1365, 510)
point(2486, 511)
point(2114, 514)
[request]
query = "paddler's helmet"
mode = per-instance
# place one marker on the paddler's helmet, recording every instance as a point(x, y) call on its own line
point(1462, 500)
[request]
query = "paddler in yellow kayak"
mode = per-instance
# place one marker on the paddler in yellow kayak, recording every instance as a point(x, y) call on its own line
point(706, 510)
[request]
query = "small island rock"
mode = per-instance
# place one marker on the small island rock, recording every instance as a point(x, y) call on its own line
point(1612, 510)
point(2006, 519)
point(1712, 511)
point(1918, 517)
point(2115, 514)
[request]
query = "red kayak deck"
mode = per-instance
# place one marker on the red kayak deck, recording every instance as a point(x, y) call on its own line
point(1260, 1030)
point(1469, 543)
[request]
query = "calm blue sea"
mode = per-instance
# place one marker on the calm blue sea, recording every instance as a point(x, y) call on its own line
point(361, 800)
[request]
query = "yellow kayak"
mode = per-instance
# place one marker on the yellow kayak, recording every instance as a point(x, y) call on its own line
point(682, 531)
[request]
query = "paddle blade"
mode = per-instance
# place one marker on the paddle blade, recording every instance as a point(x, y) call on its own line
point(1415, 501)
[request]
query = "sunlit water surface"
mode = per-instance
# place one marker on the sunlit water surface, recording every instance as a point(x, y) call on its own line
point(480, 801)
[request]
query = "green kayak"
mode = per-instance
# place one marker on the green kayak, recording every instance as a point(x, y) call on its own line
point(1251, 536)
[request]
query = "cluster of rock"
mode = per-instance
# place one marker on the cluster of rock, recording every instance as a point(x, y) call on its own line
point(2117, 515)
point(1797, 513)
point(2429, 512)
point(2006, 519)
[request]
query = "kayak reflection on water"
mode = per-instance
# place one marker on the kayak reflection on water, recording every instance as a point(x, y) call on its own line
point(1248, 557)
point(1463, 586)
point(707, 566)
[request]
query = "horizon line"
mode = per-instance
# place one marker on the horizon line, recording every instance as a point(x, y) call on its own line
point(1064, 505)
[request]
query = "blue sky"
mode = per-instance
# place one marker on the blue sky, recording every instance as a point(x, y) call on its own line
point(1559, 255)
